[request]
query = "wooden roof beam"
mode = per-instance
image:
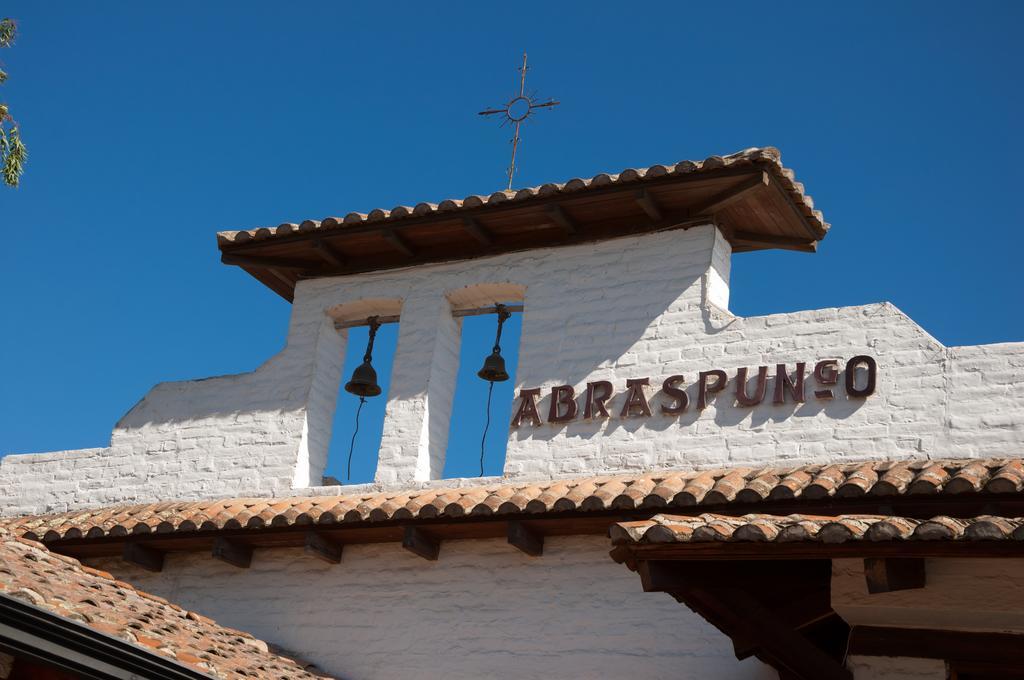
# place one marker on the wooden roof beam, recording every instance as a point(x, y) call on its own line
point(729, 196)
point(142, 555)
point(328, 254)
point(323, 548)
point(649, 205)
point(886, 574)
point(234, 553)
point(740, 610)
point(525, 538)
point(282, 277)
point(476, 230)
point(392, 237)
point(420, 543)
point(772, 241)
point(957, 645)
point(561, 220)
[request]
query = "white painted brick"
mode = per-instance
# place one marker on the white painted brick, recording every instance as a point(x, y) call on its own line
point(650, 306)
point(384, 613)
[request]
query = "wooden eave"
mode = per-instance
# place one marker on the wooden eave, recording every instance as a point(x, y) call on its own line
point(576, 523)
point(752, 205)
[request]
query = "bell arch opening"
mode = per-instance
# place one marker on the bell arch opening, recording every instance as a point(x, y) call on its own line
point(488, 358)
point(370, 331)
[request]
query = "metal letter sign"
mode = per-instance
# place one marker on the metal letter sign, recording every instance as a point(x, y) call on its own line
point(859, 377)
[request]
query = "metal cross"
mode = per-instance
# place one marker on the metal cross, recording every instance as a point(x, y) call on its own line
point(516, 111)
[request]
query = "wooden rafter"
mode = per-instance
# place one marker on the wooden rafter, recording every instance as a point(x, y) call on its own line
point(504, 210)
point(322, 547)
point(595, 214)
point(742, 237)
point(777, 613)
point(525, 538)
point(234, 553)
point(476, 230)
point(328, 254)
point(418, 542)
point(649, 205)
point(952, 645)
point(398, 241)
point(887, 574)
point(141, 555)
point(728, 196)
point(561, 220)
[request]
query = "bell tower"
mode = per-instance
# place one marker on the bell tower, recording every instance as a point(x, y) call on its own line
point(603, 267)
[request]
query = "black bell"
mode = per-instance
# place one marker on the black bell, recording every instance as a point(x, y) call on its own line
point(494, 368)
point(494, 365)
point(364, 378)
point(364, 381)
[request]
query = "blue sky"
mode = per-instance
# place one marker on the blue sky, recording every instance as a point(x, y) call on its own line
point(151, 126)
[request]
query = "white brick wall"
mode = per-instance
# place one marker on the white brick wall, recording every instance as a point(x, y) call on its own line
point(645, 306)
point(483, 610)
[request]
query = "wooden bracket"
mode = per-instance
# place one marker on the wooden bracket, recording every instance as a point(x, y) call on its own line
point(235, 554)
point(419, 543)
point(474, 228)
point(142, 555)
point(322, 547)
point(650, 206)
point(560, 219)
point(886, 574)
point(525, 538)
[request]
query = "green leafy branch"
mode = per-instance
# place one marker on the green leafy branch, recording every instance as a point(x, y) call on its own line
point(13, 153)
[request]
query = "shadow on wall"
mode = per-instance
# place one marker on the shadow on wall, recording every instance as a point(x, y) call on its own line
point(281, 387)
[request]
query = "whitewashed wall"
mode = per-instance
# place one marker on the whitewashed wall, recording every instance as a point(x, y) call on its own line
point(644, 306)
point(483, 610)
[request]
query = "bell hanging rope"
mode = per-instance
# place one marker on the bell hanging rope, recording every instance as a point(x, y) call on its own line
point(363, 384)
point(493, 371)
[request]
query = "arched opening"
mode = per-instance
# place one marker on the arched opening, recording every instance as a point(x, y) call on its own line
point(478, 430)
point(359, 422)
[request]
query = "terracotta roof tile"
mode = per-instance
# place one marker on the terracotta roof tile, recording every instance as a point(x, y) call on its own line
point(63, 586)
point(766, 155)
point(792, 528)
point(710, 488)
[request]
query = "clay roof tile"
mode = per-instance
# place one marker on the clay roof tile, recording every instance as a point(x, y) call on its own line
point(665, 489)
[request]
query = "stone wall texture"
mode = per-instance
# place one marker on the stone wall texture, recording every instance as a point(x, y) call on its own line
point(644, 306)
